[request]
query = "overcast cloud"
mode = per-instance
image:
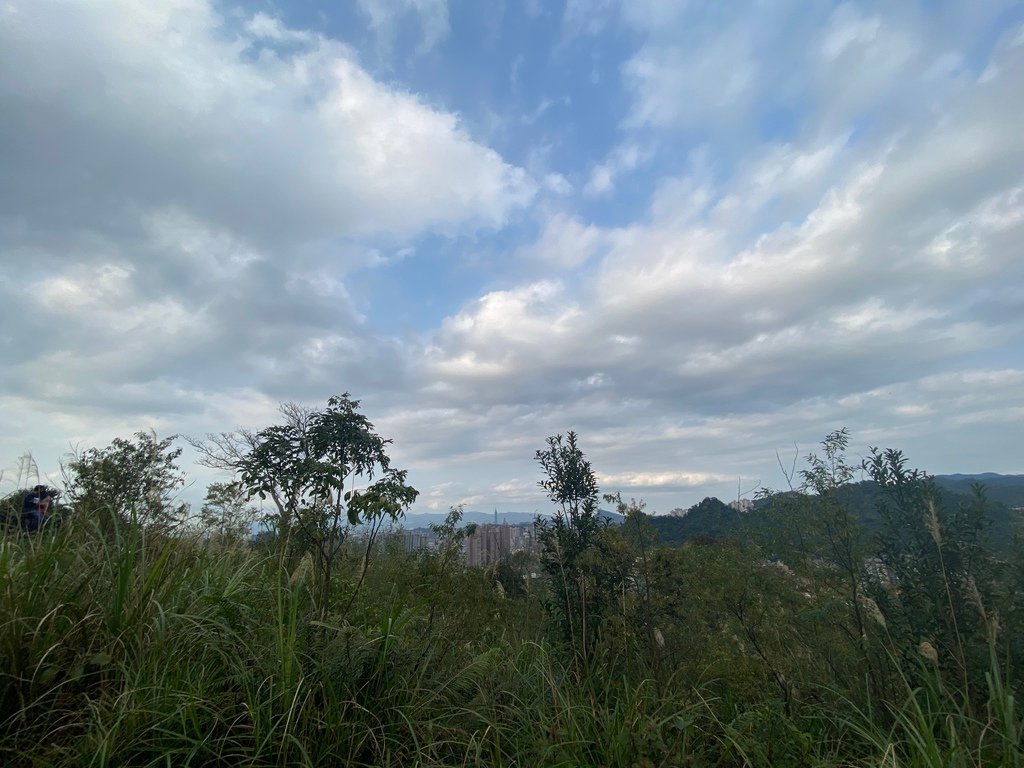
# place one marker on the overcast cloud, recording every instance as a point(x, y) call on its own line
point(698, 235)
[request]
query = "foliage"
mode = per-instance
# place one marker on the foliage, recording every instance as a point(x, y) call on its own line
point(581, 587)
point(708, 520)
point(129, 480)
point(634, 555)
point(226, 512)
point(312, 467)
point(818, 536)
point(940, 560)
point(140, 645)
point(569, 481)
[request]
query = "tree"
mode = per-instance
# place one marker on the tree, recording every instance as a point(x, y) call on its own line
point(451, 537)
point(639, 536)
point(129, 480)
point(819, 537)
point(568, 538)
point(264, 452)
point(324, 471)
point(226, 511)
point(834, 531)
point(570, 482)
point(937, 554)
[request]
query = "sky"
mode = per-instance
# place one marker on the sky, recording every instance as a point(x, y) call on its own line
point(701, 235)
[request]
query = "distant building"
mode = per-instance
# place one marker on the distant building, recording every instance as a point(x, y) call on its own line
point(488, 545)
point(414, 541)
point(523, 538)
point(742, 505)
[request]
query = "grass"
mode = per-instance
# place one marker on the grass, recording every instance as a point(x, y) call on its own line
point(121, 648)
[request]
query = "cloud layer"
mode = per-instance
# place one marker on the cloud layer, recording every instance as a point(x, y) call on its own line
point(183, 193)
point(785, 222)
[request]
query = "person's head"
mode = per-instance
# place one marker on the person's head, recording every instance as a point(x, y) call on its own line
point(41, 497)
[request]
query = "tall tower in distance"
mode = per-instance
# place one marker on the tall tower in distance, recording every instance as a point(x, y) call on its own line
point(495, 515)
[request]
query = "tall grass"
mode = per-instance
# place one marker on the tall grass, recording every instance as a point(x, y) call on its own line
point(122, 648)
point(119, 648)
point(113, 644)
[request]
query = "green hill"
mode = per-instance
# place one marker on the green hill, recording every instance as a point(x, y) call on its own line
point(1006, 489)
point(714, 520)
point(710, 520)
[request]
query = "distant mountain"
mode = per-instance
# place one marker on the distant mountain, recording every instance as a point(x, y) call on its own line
point(613, 517)
point(1007, 489)
point(980, 476)
point(864, 498)
point(710, 520)
point(714, 520)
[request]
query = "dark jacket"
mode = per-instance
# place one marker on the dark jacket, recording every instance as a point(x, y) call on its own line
point(31, 518)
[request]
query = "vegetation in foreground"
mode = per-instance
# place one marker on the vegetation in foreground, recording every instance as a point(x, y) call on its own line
point(127, 639)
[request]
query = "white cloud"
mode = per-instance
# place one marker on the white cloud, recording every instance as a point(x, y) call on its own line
point(843, 277)
point(876, 273)
point(385, 17)
point(688, 84)
point(186, 189)
point(487, 339)
point(564, 242)
point(231, 128)
point(517, 491)
point(557, 183)
point(265, 27)
point(644, 480)
point(731, 70)
point(831, 237)
point(848, 29)
point(587, 17)
point(621, 160)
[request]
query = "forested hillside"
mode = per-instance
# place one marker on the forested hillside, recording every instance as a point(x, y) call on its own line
point(714, 520)
point(1005, 489)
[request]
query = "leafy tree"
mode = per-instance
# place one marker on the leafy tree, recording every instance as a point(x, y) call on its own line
point(226, 511)
point(724, 616)
point(233, 451)
point(279, 465)
point(818, 535)
point(135, 479)
point(639, 536)
point(568, 537)
point(709, 520)
point(1012, 600)
point(512, 574)
point(450, 536)
point(324, 471)
point(938, 558)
